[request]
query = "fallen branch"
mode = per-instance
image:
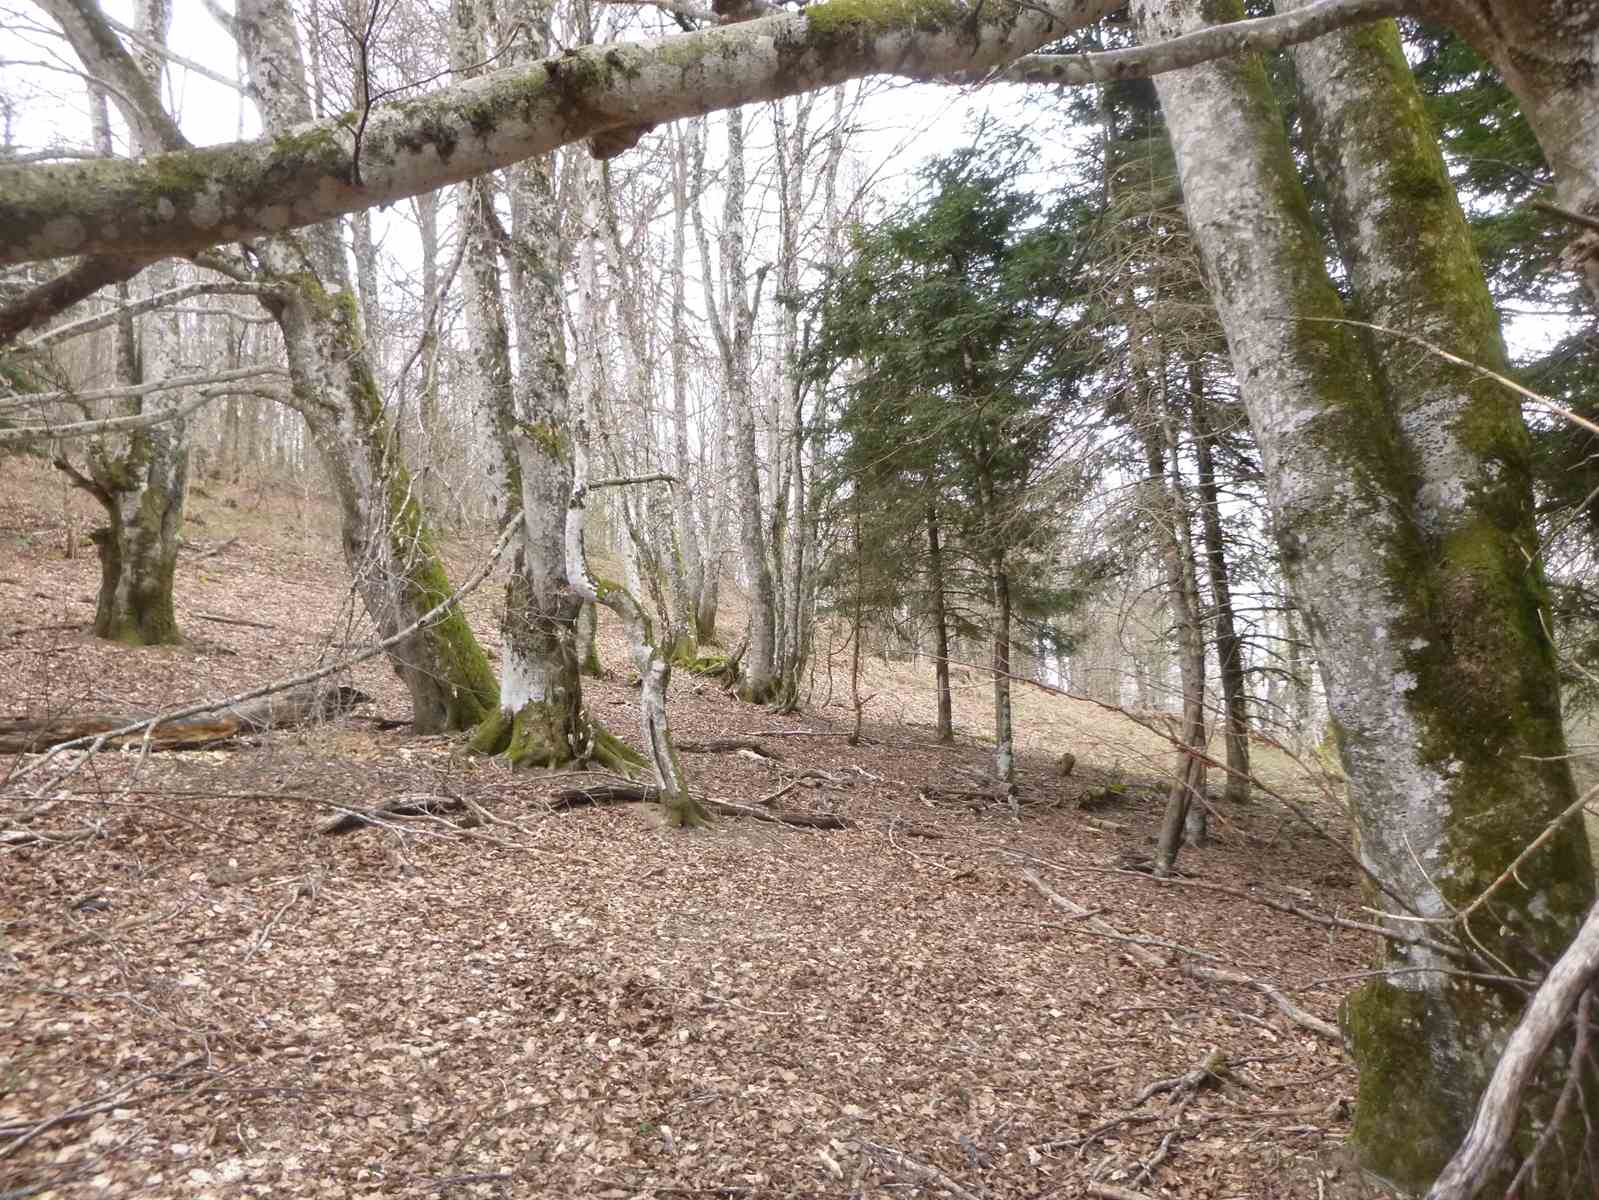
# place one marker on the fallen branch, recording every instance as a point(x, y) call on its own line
point(625, 793)
point(1104, 928)
point(1289, 1009)
point(416, 806)
point(1109, 1191)
point(233, 621)
point(1210, 1069)
point(726, 745)
point(902, 1163)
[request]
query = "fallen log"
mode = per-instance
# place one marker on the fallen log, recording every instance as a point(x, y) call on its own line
point(626, 793)
point(297, 706)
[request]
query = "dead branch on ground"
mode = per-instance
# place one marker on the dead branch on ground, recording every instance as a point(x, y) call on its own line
point(1147, 957)
point(1289, 1009)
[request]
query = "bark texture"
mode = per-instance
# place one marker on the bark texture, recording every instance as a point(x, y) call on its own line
point(1394, 535)
point(386, 539)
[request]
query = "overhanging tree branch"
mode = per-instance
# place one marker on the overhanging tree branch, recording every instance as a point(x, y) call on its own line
point(177, 203)
point(35, 307)
point(148, 304)
point(1201, 46)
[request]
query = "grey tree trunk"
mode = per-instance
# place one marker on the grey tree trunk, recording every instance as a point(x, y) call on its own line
point(1185, 802)
point(140, 479)
point(386, 539)
point(758, 683)
point(1401, 540)
point(540, 719)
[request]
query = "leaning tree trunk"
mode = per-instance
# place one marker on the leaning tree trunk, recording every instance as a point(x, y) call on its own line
point(1402, 543)
point(386, 539)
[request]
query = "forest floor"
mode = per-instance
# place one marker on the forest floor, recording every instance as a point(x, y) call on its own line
point(208, 997)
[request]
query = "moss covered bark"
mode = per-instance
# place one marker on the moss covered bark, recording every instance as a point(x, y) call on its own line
point(1484, 693)
point(1402, 504)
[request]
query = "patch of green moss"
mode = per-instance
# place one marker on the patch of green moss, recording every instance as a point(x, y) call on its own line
point(854, 18)
point(1414, 1104)
point(550, 438)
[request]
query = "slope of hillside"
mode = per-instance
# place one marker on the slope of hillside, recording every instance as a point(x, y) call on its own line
point(203, 995)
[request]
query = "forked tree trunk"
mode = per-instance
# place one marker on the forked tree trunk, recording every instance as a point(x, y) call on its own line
point(1402, 536)
point(540, 719)
point(139, 479)
point(653, 666)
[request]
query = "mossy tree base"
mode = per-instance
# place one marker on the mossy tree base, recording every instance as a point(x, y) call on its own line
point(546, 734)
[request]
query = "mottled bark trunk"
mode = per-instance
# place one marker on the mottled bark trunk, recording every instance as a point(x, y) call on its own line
point(386, 538)
point(540, 720)
point(1229, 646)
point(1547, 52)
point(1485, 691)
point(1401, 538)
point(945, 727)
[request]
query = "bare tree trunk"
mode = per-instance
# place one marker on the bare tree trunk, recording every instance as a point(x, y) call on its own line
point(691, 566)
point(139, 479)
point(940, 618)
point(385, 537)
point(758, 682)
point(1169, 510)
point(1402, 538)
point(1229, 646)
point(540, 719)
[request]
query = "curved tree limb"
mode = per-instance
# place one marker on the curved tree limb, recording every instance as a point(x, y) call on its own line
point(35, 307)
point(160, 300)
point(1202, 46)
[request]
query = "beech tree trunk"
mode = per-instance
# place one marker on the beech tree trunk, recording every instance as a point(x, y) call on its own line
point(386, 538)
point(1402, 542)
point(540, 719)
point(140, 479)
